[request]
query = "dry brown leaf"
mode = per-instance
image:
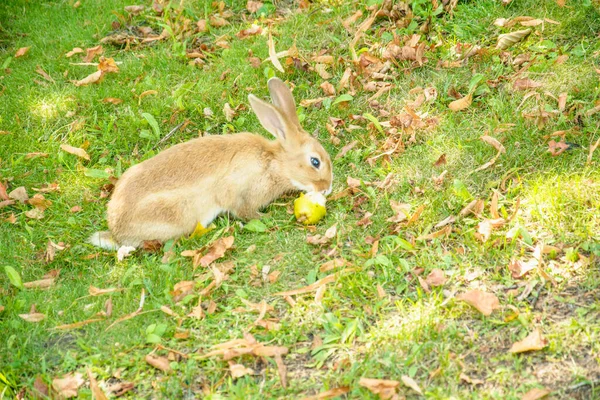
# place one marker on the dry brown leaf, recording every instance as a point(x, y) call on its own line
point(534, 341)
point(526, 84)
point(402, 211)
point(436, 277)
point(440, 161)
point(79, 152)
point(76, 50)
point(519, 268)
point(39, 284)
point(96, 77)
point(97, 393)
point(416, 215)
point(44, 74)
point(532, 22)
point(21, 52)
point(282, 370)
point(536, 393)
point(327, 88)
point(321, 69)
point(158, 362)
point(335, 263)
point(314, 286)
point(33, 317)
point(112, 100)
point(508, 39)
point(76, 325)
point(445, 231)
point(386, 389)
point(217, 21)
point(485, 227)
point(134, 10)
point(92, 52)
point(493, 142)
point(253, 6)
point(475, 207)
point(94, 291)
point(68, 385)
point(411, 383)
point(216, 250)
point(562, 102)
point(345, 79)
point(484, 302)
point(273, 54)
point(107, 65)
point(38, 201)
point(593, 148)
point(351, 20)
point(462, 103)
point(238, 370)
point(35, 213)
point(252, 31)
point(19, 194)
point(329, 394)
point(557, 148)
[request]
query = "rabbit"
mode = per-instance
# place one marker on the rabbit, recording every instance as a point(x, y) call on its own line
point(166, 196)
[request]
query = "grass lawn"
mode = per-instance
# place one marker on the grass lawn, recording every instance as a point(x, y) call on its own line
point(443, 249)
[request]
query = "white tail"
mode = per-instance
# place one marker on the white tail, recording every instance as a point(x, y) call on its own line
point(104, 240)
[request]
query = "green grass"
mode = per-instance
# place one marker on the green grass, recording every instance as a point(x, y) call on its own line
point(431, 337)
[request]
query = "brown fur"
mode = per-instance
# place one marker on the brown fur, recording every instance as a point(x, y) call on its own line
point(166, 196)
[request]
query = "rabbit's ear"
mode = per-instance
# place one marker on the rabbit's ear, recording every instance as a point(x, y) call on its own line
point(283, 99)
point(270, 118)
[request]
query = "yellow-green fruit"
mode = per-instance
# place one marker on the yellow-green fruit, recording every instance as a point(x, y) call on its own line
point(310, 208)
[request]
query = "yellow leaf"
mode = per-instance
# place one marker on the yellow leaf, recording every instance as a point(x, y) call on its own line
point(75, 151)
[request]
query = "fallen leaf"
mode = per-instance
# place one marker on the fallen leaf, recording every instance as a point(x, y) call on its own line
point(107, 65)
point(35, 213)
point(365, 220)
point(19, 194)
point(484, 302)
point(228, 112)
point(134, 10)
point(273, 54)
point(238, 370)
point(119, 389)
point(76, 50)
point(485, 227)
point(94, 291)
point(493, 142)
point(39, 284)
point(436, 277)
point(534, 341)
point(314, 286)
point(536, 394)
point(21, 52)
point(79, 152)
point(462, 103)
point(321, 69)
point(158, 362)
point(526, 84)
point(519, 268)
point(217, 250)
point(533, 22)
point(253, 6)
point(77, 325)
point(593, 148)
point(41, 387)
point(95, 77)
point(38, 201)
point(335, 263)
point(475, 207)
point(91, 53)
point(327, 88)
point(562, 101)
point(329, 394)
point(401, 211)
point(281, 369)
point(33, 317)
point(440, 161)
point(386, 389)
point(557, 148)
point(410, 382)
point(97, 393)
point(445, 231)
point(507, 40)
point(68, 385)
point(112, 100)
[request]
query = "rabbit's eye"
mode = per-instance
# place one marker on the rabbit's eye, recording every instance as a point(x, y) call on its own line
point(315, 162)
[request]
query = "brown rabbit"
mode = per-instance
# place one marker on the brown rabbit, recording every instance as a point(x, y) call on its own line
point(166, 196)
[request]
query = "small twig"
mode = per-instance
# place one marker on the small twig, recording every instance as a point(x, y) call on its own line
point(168, 135)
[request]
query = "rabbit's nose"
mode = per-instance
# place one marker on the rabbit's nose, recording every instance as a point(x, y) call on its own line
point(326, 192)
